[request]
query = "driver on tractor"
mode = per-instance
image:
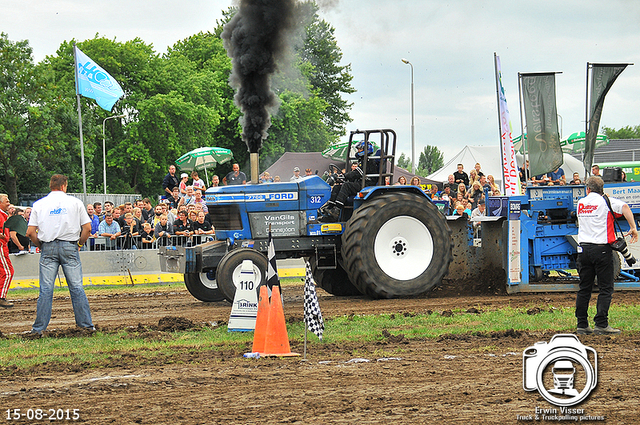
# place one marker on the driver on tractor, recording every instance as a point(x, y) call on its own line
point(352, 184)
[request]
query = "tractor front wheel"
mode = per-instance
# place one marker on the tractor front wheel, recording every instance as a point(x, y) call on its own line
point(204, 286)
point(230, 268)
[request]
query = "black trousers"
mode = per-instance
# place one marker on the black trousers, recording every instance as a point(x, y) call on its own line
point(594, 260)
point(348, 189)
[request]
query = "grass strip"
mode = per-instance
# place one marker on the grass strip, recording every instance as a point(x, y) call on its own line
point(143, 347)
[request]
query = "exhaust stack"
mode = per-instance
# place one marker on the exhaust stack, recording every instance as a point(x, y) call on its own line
point(255, 162)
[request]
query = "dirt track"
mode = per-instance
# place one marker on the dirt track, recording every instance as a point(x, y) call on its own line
point(473, 379)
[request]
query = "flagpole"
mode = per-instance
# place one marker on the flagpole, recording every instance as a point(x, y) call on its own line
point(586, 124)
point(524, 144)
point(84, 176)
point(495, 64)
point(304, 355)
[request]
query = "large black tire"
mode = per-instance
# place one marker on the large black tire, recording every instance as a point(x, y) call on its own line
point(397, 245)
point(334, 281)
point(204, 286)
point(231, 265)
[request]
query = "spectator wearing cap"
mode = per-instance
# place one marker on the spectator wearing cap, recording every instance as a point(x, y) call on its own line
point(296, 174)
point(307, 172)
point(183, 183)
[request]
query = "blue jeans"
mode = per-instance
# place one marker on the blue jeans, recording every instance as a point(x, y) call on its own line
point(65, 254)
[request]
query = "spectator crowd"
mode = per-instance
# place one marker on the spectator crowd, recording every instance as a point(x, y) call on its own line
point(139, 225)
point(466, 194)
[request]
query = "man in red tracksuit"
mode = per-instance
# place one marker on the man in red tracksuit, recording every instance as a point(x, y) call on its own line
point(6, 268)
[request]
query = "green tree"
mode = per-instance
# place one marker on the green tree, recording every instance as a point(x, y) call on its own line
point(173, 103)
point(627, 132)
point(205, 51)
point(28, 129)
point(319, 58)
point(297, 127)
point(431, 160)
point(404, 162)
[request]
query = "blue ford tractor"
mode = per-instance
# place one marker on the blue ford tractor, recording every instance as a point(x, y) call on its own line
point(388, 241)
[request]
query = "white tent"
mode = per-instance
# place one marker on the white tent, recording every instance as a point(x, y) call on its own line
point(490, 162)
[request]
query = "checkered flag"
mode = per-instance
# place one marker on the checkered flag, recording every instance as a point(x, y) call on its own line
point(312, 313)
point(272, 267)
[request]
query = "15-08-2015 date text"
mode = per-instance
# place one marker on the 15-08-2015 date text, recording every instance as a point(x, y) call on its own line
point(42, 414)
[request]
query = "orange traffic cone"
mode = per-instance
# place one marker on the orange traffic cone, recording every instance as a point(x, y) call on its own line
point(262, 318)
point(277, 340)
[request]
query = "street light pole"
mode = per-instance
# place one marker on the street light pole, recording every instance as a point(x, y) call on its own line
point(413, 127)
point(104, 151)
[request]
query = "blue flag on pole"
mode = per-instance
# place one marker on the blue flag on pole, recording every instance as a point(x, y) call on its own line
point(94, 82)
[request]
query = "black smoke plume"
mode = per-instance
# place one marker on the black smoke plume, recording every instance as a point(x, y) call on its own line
point(257, 41)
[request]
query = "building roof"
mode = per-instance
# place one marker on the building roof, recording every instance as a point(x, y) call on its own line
point(618, 150)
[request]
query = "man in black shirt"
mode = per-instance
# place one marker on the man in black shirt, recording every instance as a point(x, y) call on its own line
point(460, 176)
point(182, 227)
point(169, 182)
point(201, 227)
point(451, 184)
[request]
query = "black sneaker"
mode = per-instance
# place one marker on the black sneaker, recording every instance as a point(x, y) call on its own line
point(584, 331)
point(606, 331)
point(5, 304)
point(332, 215)
point(32, 335)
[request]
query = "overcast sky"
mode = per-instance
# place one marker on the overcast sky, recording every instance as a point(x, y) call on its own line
point(450, 44)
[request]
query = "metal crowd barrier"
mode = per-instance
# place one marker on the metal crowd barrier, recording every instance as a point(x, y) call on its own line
point(103, 243)
point(103, 263)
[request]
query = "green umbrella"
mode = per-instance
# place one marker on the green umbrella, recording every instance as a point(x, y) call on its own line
point(205, 158)
point(338, 151)
point(572, 144)
point(575, 142)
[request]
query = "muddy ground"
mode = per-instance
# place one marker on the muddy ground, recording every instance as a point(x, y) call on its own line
point(463, 379)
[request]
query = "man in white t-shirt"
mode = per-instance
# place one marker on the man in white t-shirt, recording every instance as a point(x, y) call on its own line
point(595, 233)
point(198, 183)
point(59, 225)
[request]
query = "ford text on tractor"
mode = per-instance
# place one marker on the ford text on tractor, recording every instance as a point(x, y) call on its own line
point(382, 241)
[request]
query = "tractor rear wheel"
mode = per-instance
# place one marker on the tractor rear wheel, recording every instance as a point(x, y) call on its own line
point(334, 281)
point(230, 267)
point(204, 286)
point(397, 245)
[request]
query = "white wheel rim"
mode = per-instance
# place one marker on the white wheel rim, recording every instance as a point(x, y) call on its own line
point(209, 283)
point(403, 248)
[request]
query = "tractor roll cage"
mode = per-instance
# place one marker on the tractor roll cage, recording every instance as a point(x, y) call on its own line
point(386, 158)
